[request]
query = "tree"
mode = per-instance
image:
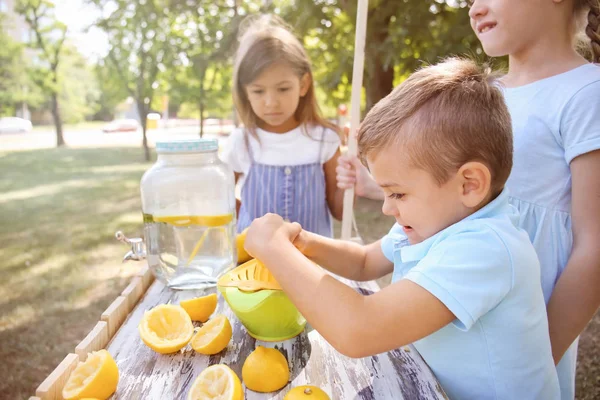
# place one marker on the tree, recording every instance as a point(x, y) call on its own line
point(138, 34)
point(401, 35)
point(11, 77)
point(79, 91)
point(111, 91)
point(205, 33)
point(49, 38)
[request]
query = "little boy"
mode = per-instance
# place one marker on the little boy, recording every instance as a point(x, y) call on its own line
point(465, 288)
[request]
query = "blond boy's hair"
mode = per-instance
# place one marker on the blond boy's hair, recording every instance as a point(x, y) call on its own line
point(442, 117)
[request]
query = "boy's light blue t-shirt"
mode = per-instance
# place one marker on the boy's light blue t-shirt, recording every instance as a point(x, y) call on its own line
point(485, 270)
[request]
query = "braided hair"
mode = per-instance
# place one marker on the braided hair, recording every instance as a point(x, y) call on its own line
point(592, 29)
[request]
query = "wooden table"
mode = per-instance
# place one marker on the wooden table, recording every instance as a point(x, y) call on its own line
point(144, 374)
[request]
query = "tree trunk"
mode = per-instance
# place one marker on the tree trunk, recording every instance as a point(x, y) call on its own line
point(143, 113)
point(201, 108)
point(380, 84)
point(380, 80)
point(60, 141)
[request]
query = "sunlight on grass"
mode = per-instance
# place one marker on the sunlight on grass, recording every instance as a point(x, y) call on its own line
point(120, 168)
point(61, 265)
point(43, 190)
point(35, 272)
point(20, 315)
point(130, 218)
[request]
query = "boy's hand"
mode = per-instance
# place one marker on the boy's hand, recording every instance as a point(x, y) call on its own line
point(266, 232)
point(301, 241)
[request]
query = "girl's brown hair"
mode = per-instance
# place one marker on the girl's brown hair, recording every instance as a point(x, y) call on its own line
point(266, 40)
point(592, 29)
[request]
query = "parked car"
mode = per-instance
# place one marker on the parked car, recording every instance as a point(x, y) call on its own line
point(122, 125)
point(14, 125)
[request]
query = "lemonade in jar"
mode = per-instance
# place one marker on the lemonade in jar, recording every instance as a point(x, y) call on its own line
point(188, 201)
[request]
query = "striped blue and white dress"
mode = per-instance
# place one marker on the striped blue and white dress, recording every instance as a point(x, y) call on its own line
point(284, 175)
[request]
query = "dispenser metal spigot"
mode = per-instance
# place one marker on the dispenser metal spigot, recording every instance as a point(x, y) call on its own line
point(137, 252)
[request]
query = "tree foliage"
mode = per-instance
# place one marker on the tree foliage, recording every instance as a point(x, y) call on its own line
point(139, 34)
point(48, 41)
point(401, 36)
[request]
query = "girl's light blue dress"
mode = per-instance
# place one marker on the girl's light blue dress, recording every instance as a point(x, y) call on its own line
point(554, 120)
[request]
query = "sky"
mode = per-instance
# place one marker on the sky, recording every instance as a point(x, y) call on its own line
point(78, 16)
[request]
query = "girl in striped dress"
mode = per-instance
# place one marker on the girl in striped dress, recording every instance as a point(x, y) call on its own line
point(285, 155)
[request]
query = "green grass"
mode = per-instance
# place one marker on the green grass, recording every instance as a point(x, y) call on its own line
point(61, 266)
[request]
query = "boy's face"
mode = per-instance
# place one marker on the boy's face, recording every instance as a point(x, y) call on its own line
point(274, 97)
point(414, 198)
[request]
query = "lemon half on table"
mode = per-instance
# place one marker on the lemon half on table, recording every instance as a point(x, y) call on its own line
point(166, 328)
point(97, 377)
point(216, 382)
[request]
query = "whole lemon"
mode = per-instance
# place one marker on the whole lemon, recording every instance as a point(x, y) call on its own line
point(306, 392)
point(265, 370)
point(240, 239)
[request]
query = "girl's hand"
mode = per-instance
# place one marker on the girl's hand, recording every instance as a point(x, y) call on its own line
point(346, 172)
point(267, 232)
point(351, 173)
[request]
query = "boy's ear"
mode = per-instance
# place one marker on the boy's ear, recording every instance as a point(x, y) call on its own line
point(305, 83)
point(476, 180)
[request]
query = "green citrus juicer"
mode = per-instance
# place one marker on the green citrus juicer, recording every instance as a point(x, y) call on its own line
point(260, 304)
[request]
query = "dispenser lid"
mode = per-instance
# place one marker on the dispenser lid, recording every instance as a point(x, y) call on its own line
point(187, 146)
point(251, 276)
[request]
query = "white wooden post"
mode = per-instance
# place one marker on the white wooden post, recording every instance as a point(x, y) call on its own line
point(357, 79)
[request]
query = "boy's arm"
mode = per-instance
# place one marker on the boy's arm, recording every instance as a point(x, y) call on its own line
point(348, 259)
point(462, 278)
point(356, 325)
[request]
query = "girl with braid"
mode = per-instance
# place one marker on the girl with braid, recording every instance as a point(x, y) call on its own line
point(553, 96)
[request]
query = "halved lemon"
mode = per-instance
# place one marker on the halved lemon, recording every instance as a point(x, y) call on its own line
point(213, 336)
point(216, 382)
point(240, 240)
point(166, 328)
point(200, 308)
point(97, 377)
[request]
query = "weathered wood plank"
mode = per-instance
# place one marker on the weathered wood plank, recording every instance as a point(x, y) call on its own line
point(133, 292)
point(144, 374)
point(51, 388)
point(115, 314)
point(147, 277)
point(96, 340)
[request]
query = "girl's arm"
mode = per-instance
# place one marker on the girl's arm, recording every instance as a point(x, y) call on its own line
point(576, 296)
point(355, 325)
point(348, 259)
point(335, 196)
